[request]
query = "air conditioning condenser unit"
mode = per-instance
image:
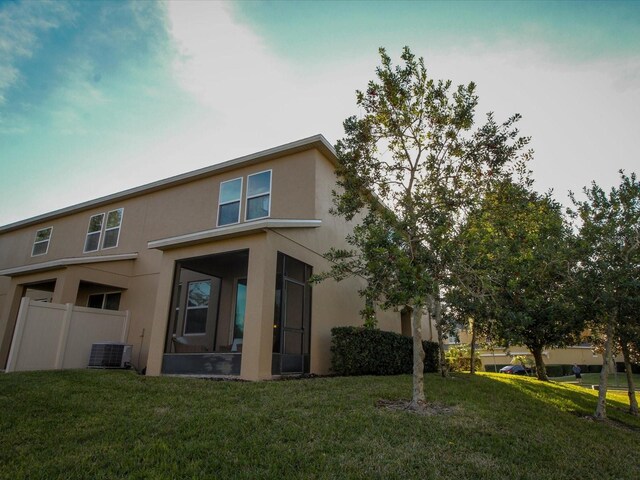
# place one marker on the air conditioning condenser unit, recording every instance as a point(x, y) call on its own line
point(110, 355)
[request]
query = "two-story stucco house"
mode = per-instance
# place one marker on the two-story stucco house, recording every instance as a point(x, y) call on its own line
point(211, 265)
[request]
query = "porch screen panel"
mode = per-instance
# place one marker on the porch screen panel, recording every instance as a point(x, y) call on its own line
point(292, 343)
point(292, 316)
point(241, 303)
point(295, 305)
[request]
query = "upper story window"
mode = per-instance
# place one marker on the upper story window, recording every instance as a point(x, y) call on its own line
point(258, 195)
point(229, 202)
point(41, 242)
point(110, 228)
point(92, 243)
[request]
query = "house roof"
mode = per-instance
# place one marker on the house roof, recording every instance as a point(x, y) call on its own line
point(231, 231)
point(65, 262)
point(315, 142)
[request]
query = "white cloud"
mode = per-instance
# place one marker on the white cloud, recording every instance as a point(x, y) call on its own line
point(21, 24)
point(581, 116)
point(257, 99)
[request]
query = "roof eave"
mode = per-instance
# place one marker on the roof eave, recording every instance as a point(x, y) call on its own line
point(316, 141)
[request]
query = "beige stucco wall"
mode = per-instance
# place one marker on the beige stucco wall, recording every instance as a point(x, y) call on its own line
point(176, 210)
point(552, 356)
point(301, 189)
point(582, 355)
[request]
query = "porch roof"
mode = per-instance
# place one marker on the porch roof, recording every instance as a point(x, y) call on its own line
point(65, 262)
point(230, 231)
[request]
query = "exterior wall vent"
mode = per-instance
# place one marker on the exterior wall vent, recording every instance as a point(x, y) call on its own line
point(110, 355)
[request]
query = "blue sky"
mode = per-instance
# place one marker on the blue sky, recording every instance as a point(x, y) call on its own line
point(96, 97)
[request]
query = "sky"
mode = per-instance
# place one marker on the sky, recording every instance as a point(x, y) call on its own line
point(97, 97)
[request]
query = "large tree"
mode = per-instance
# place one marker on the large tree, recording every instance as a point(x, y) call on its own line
point(517, 260)
point(610, 272)
point(409, 167)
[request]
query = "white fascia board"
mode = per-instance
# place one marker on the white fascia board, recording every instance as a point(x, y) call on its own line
point(315, 141)
point(65, 262)
point(230, 231)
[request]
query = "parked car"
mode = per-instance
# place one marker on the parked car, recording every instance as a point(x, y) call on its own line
point(514, 370)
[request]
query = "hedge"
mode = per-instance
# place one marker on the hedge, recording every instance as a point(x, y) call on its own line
point(367, 351)
point(557, 370)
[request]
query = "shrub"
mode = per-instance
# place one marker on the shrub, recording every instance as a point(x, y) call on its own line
point(459, 358)
point(367, 351)
point(566, 370)
point(430, 356)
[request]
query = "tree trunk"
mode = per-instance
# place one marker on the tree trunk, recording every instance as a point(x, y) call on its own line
point(472, 370)
point(442, 363)
point(541, 370)
point(631, 389)
point(418, 399)
point(601, 408)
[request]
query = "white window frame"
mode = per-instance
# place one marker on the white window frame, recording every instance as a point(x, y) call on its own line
point(187, 308)
point(104, 299)
point(246, 203)
point(239, 200)
point(36, 242)
point(99, 232)
point(105, 229)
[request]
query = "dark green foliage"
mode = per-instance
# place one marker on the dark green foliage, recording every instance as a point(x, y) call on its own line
point(608, 286)
point(367, 351)
point(459, 358)
point(517, 248)
point(411, 164)
point(561, 370)
point(430, 356)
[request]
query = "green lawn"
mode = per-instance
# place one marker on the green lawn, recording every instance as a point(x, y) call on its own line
point(114, 424)
point(615, 380)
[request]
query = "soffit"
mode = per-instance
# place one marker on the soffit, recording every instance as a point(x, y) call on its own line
point(65, 262)
point(237, 230)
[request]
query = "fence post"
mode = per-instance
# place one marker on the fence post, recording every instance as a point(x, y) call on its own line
point(14, 351)
point(64, 334)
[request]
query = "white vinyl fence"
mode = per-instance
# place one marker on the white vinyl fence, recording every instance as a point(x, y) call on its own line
point(50, 336)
